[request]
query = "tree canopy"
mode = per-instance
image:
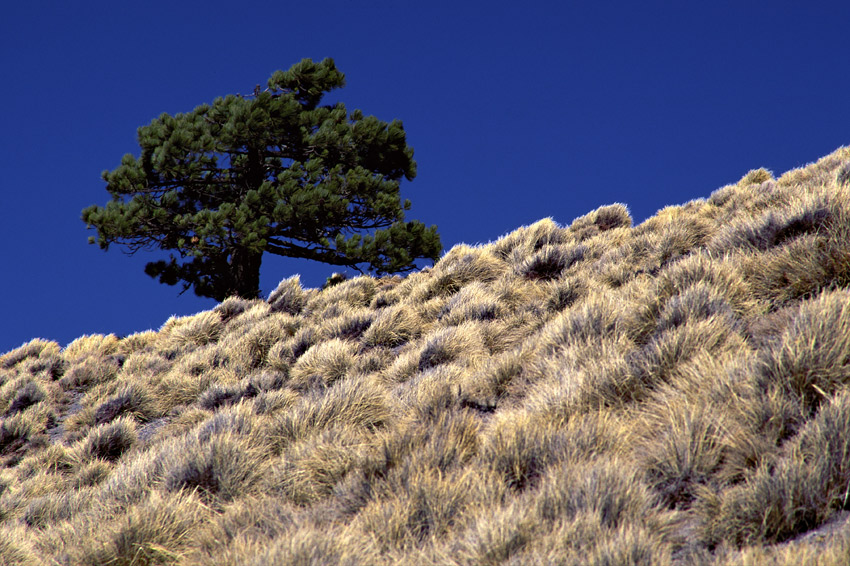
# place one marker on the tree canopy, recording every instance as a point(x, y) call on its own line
point(274, 172)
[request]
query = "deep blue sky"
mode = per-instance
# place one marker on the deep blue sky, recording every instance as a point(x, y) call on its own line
point(516, 111)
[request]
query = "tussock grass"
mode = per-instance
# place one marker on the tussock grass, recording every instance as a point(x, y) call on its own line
point(473, 302)
point(810, 361)
point(89, 346)
point(156, 530)
point(460, 343)
point(131, 399)
point(308, 470)
point(325, 363)
point(550, 262)
point(108, 441)
point(803, 488)
point(528, 239)
point(348, 325)
point(393, 326)
point(603, 219)
point(288, 297)
point(461, 265)
point(347, 403)
point(357, 292)
point(90, 372)
point(34, 350)
point(196, 330)
point(675, 392)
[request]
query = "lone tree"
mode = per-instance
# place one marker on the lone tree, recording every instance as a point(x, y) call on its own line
point(268, 172)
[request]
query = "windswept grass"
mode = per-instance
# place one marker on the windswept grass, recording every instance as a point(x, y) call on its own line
point(676, 392)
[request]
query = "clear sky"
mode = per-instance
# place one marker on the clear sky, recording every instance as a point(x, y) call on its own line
point(516, 111)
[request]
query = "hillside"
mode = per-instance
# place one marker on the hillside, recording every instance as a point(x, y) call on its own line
point(674, 392)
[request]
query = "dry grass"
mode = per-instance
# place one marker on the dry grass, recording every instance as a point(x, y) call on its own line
point(676, 392)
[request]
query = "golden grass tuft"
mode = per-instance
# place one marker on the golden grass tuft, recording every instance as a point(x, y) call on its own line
point(34, 349)
point(531, 238)
point(354, 293)
point(288, 297)
point(755, 177)
point(198, 330)
point(393, 326)
point(602, 219)
point(461, 265)
point(156, 530)
point(326, 363)
point(346, 403)
point(675, 392)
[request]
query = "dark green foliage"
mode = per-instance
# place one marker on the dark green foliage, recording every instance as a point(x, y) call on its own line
point(273, 172)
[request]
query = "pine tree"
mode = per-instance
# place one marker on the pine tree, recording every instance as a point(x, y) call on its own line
point(269, 172)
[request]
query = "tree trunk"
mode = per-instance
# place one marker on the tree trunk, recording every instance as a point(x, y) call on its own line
point(245, 273)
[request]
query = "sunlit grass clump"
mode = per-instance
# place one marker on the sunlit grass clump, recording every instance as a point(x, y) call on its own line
point(592, 393)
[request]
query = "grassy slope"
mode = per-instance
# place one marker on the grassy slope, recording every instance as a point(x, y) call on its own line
point(675, 392)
